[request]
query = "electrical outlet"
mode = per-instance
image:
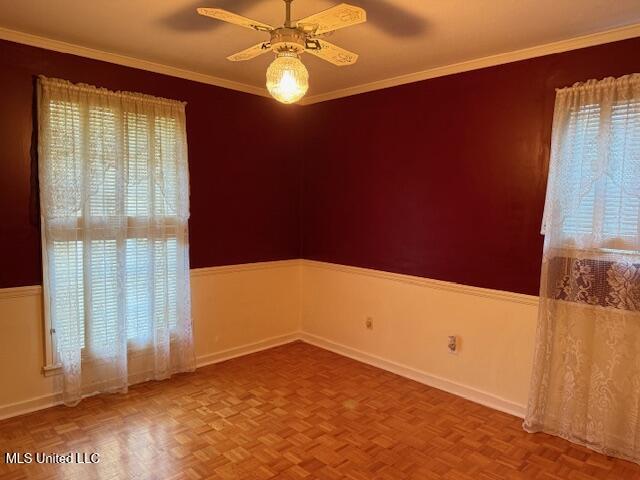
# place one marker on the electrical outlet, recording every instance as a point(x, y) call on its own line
point(369, 323)
point(452, 344)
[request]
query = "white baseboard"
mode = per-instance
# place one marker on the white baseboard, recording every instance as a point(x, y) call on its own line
point(464, 391)
point(217, 357)
point(31, 405)
point(470, 393)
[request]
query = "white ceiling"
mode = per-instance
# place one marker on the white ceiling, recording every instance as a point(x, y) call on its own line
point(401, 37)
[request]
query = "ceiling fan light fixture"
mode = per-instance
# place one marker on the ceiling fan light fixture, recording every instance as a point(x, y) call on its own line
point(287, 78)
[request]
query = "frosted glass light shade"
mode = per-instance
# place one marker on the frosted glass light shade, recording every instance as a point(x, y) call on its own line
point(287, 78)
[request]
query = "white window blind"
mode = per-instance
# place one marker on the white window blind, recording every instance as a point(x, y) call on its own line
point(622, 204)
point(582, 137)
point(114, 202)
point(141, 304)
point(605, 196)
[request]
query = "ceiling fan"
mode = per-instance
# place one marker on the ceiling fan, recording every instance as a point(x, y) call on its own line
point(287, 77)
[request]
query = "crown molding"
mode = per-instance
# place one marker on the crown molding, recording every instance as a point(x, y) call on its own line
point(614, 35)
point(608, 36)
point(118, 59)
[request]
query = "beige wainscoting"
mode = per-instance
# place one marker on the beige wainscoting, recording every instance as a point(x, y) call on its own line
point(412, 318)
point(239, 309)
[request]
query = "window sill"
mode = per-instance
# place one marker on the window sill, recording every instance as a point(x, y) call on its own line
point(51, 370)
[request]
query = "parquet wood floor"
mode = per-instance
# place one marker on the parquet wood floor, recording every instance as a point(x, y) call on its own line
point(295, 412)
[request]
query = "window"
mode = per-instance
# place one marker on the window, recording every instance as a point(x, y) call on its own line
point(586, 354)
point(140, 197)
point(595, 173)
point(620, 208)
point(114, 202)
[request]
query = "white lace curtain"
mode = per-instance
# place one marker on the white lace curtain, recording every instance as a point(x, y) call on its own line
point(586, 376)
point(114, 199)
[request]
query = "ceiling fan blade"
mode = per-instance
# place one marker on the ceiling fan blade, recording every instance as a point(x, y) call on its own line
point(251, 52)
point(334, 18)
point(225, 16)
point(333, 54)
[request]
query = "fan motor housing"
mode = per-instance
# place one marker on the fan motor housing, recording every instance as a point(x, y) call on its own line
point(288, 40)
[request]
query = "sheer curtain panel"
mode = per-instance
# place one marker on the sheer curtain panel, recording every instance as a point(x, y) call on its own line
point(586, 375)
point(114, 201)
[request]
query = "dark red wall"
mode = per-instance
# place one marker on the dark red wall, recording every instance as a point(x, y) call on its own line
point(244, 191)
point(443, 178)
